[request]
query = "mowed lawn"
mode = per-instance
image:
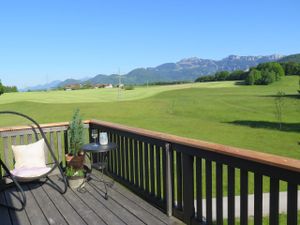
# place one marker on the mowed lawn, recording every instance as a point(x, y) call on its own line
point(220, 112)
point(103, 94)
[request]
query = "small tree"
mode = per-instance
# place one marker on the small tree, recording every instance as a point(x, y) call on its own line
point(279, 104)
point(253, 77)
point(267, 77)
point(76, 133)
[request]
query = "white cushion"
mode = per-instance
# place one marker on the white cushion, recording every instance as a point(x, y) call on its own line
point(27, 174)
point(31, 155)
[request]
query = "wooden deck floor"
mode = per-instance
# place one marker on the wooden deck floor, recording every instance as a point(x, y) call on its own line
point(46, 206)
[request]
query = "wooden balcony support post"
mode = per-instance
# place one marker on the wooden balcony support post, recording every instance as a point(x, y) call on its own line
point(188, 188)
point(168, 177)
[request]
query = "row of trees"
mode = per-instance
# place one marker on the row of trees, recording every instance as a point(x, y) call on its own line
point(263, 74)
point(224, 75)
point(291, 68)
point(7, 89)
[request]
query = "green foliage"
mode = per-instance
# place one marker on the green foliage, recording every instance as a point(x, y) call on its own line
point(71, 172)
point(222, 75)
point(254, 77)
point(87, 86)
point(291, 68)
point(267, 77)
point(265, 73)
point(167, 83)
point(207, 78)
point(291, 58)
point(1, 88)
point(272, 67)
point(299, 85)
point(237, 75)
point(8, 89)
point(76, 133)
point(128, 87)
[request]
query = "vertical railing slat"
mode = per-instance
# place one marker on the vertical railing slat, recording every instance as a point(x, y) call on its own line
point(219, 187)
point(119, 157)
point(152, 182)
point(29, 138)
point(114, 155)
point(244, 196)
point(167, 173)
point(231, 195)
point(6, 151)
point(52, 146)
point(258, 204)
point(146, 151)
point(274, 201)
point(208, 178)
point(14, 140)
point(126, 159)
point(59, 146)
point(179, 180)
point(131, 161)
point(66, 141)
point(167, 178)
point(158, 172)
point(292, 209)
point(188, 188)
point(199, 189)
point(136, 164)
point(141, 164)
point(22, 140)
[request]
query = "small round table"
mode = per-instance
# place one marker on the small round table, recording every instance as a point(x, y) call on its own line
point(101, 165)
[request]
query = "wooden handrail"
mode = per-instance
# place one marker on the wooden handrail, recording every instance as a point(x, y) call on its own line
point(28, 127)
point(264, 158)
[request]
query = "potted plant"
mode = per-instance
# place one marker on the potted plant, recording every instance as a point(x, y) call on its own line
point(75, 177)
point(75, 157)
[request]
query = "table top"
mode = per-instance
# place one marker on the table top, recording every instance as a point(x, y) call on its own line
point(92, 147)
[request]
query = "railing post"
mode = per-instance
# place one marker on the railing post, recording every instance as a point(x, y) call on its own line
point(188, 187)
point(168, 176)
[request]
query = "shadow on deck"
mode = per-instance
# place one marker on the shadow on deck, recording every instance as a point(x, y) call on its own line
point(47, 206)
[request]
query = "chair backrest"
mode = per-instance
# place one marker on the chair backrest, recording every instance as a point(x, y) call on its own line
point(37, 130)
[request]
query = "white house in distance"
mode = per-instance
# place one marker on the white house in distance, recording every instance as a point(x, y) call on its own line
point(109, 86)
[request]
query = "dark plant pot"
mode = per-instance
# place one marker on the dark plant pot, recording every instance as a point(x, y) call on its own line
point(75, 161)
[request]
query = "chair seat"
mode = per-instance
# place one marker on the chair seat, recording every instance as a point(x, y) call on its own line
point(27, 174)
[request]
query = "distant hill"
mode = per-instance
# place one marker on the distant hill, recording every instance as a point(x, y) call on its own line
point(291, 58)
point(184, 70)
point(47, 86)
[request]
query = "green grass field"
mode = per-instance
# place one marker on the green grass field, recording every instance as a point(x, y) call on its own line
point(102, 95)
point(220, 112)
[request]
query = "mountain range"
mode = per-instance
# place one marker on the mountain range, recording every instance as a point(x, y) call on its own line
point(184, 70)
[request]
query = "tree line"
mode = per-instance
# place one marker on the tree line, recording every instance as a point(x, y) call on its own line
point(7, 89)
point(262, 74)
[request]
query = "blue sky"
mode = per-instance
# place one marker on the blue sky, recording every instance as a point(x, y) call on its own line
point(42, 41)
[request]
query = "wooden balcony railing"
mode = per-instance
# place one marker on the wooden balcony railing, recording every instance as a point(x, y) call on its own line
point(182, 176)
point(172, 172)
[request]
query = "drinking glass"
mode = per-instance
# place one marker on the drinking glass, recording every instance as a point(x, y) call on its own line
point(95, 135)
point(103, 138)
